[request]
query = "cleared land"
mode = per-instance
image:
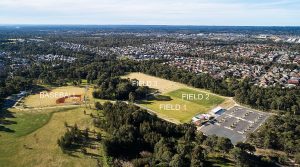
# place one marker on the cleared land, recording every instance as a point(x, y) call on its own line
point(32, 139)
point(162, 85)
point(173, 104)
point(180, 109)
point(29, 135)
point(49, 98)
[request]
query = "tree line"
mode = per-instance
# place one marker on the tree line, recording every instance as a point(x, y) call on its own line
point(279, 133)
point(120, 89)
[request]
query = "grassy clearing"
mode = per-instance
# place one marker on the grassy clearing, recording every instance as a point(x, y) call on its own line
point(49, 98)
point(26, 123)
point(34, 142)
point(221, 162)
point(201, 98)
point(162, 85)
point(182, 109)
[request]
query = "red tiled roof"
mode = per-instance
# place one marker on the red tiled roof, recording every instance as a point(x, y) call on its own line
point(296, 82)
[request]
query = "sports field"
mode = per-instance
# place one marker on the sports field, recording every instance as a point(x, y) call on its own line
point(162, 85)
point(67, 94)
point(176, 101)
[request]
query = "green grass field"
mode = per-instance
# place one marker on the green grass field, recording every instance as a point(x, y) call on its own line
point(172, 105)
point(32, 139)
point(28, 137)
point(173, 91)
point(26, 123)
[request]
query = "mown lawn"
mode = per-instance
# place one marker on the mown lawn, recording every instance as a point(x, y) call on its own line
point(201, 98)
point(182, 109)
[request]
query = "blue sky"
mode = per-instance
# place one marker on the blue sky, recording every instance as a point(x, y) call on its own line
point(157, 12)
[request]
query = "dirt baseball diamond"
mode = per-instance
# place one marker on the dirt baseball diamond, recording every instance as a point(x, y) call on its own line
point(57, 96)
point(73, 99)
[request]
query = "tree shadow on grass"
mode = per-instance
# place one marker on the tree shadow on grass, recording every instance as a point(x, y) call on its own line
point(4, 114)
point(9, 102)
point(152, 98)
point(77, 149)
point(72, 153)
point(7, 122)
point(144, 102)
point(163, 98)
point(92, 154)
point(159, 98)
point(219, 160)
point(5, 129)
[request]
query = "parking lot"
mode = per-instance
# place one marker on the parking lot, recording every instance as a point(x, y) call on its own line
point(235, 123)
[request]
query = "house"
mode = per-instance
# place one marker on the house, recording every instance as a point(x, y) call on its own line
point(293, 81)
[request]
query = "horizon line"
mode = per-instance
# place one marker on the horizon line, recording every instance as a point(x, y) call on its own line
point(169, 25)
